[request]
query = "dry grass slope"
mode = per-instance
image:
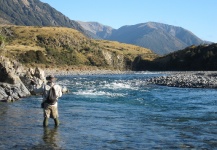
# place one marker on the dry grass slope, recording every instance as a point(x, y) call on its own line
point(63, 47)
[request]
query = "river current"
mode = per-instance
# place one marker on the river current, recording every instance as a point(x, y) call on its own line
point(117, 111)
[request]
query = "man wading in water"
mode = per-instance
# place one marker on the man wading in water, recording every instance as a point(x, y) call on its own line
point(51, 94)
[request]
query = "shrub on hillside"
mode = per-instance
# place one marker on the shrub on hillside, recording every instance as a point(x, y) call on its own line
point(33, 57)
point(2, 40)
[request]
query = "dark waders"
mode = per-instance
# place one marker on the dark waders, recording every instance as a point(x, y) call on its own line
point(56, 121)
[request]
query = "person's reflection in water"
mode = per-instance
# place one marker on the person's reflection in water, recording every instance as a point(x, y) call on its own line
point(50, 137)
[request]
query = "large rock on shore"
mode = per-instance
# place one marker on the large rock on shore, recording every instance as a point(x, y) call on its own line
point(11, 87)
point(187, 80)
point(17, 81)
point(12, 92)
point(34, 80)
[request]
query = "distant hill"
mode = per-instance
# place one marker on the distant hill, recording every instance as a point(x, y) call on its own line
point(101, 31)
point(67, 48)
point(193, 58)
point(34, 13)
point(160, 38)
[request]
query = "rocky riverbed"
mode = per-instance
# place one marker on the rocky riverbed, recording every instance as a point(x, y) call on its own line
point(187, 80)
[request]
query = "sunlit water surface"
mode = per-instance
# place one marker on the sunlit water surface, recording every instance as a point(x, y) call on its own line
point(114, 112)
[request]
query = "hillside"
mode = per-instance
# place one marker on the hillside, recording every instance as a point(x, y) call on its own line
point(160, 38)
point(34, 13)
point(67, 48)
point(193, 58)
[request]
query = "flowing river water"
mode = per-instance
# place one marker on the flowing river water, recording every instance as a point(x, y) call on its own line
point(114, 112)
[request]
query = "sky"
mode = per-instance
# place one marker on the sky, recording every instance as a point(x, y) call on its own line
point(197, 16)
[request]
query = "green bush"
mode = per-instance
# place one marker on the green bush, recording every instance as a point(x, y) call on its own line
point(2, 40)
point(33, 57)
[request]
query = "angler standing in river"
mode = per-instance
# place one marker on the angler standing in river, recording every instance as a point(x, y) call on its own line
point(51, 93)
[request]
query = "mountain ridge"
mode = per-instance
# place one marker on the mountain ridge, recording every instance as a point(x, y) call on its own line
point(34, 13)
point(150, 35)
point(98, 29)
point(160, 38)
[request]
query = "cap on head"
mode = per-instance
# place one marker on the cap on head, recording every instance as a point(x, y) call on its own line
point(51, 78)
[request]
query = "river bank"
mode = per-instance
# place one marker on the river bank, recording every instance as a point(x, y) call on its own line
point(62, 72)
point(17, 81)
point(182, 79)
point(191, 79)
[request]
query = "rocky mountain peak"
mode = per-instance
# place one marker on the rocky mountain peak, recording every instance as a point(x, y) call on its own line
point(95, 26)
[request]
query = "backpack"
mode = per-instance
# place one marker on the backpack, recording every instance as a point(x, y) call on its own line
point(51, 97)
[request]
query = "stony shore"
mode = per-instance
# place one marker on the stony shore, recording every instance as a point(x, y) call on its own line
point(182, 79)
point(60, 72)
point(203, 79)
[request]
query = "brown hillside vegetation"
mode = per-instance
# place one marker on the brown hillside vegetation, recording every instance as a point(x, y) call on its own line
point(65, 47)
point(193, 58)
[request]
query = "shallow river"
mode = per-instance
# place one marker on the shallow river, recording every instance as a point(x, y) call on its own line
point(114, 112)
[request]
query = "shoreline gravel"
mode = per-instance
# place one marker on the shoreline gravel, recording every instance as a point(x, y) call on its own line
point(182, 79)
point(197, 79)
